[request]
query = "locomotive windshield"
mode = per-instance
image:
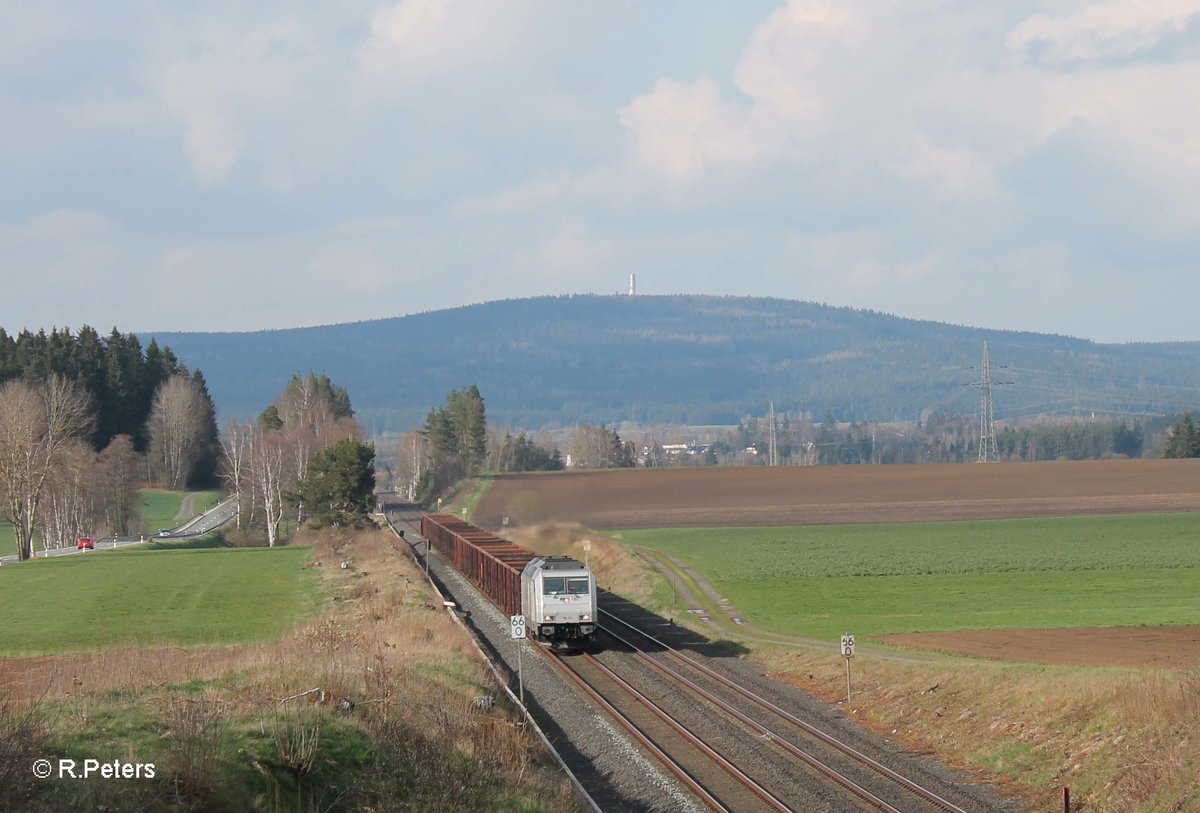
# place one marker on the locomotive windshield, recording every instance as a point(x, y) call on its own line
point(575, 585)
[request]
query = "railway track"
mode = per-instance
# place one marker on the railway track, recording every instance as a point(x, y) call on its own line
point(852, 771)
point(733, 749)
point(715, 780)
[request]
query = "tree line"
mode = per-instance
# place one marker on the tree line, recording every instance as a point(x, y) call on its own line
point(456, 441)
point(1183, 439)
point(84, 421)
point(120, 377)
point(302, 458)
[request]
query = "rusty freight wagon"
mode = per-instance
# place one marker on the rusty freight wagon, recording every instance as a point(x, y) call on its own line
point(491, 563)
point(556, 594)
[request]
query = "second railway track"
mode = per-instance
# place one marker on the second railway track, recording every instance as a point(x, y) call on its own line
point(849, 770)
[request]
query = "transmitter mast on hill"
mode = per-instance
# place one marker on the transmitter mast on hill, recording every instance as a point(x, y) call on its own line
point(987, 410)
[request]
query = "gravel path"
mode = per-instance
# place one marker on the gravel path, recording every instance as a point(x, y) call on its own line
point(187, 506)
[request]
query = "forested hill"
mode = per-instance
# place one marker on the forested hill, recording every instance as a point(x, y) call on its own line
point(552, 361)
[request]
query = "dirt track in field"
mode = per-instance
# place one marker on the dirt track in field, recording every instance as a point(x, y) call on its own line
point(672, 498)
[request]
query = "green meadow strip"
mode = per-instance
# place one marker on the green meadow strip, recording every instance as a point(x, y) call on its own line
point(103, 599)
point(878, 579)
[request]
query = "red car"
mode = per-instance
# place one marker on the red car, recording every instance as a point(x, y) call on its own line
point(85, 543)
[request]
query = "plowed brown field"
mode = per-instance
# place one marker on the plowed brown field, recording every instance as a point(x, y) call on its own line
point(670, 498)
point(713, 497)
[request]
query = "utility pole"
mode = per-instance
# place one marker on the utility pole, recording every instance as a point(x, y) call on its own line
point(773, 453)
point(987, 409)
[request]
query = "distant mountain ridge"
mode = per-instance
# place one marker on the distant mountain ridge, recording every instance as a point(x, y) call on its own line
point(555, 361)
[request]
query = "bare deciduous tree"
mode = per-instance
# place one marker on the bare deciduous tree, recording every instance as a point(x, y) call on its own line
point(235, 464)
point(176, 430)
point(412, 460)
point(117, 482)
point(267, 473)
point(69, 508)
point(36, 424)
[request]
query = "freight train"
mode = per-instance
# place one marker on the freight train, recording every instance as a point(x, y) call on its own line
point(556, 594)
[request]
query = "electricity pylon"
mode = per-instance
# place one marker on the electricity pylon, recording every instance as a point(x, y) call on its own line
point(987, 410)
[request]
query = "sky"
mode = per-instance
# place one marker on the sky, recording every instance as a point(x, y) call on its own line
point(212, 166)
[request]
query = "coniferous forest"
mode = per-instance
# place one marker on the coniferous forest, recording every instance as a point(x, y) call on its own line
point(119, 374)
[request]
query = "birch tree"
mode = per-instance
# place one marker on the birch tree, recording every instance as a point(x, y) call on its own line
point(70, 510)
point(235, 464)
point(266, 460)
point(176, 429)
point(36, 424)
point(412, 460)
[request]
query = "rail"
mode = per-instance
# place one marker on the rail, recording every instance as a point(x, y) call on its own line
point(829, 740)
point(578, 787)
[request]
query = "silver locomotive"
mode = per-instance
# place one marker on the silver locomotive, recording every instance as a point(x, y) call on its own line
point(558, 597)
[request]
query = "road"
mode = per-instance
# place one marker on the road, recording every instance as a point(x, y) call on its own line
point(198, 525)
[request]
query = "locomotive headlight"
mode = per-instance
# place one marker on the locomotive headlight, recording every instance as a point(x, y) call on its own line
point(546, 618)
point(586, 617)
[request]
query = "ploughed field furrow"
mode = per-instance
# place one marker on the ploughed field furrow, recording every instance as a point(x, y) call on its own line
point(688, 756)
point(819, 753)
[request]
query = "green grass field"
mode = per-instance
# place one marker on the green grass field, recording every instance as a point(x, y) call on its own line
point(192, 596)
point(8, 542)
point(875, 579)
point(158, 508)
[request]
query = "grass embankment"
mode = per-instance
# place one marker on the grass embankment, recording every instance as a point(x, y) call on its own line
point(366, 705)
point(1121, 739)
point(191, 596)
point(613, 567)
point(819, 581)
point(463, 498)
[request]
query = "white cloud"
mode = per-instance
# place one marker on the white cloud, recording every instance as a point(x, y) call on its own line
point(413, 38)
point(956, 172)
point(561, 260)
point(1103, 30)
point(683, 130)
point(789, 53)
point(412, 154)
point(233, 88)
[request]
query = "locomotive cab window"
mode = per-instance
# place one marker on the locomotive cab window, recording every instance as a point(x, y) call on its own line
point(553, 585)
point(578, 586)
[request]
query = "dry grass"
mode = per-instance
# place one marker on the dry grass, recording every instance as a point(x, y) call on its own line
point(1122, 741)
point(383, 655)
point(615, 569)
